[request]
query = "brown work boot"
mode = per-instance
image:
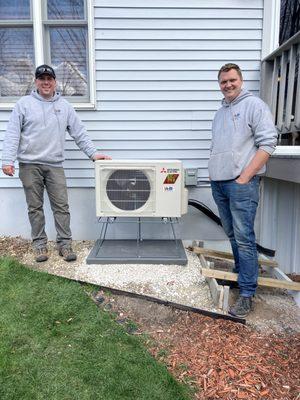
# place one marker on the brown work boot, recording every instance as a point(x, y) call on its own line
point(67, 253)
point(41, 254)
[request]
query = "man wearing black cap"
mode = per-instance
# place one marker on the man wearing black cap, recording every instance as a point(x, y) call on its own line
point(35, 136)
point(43, 74)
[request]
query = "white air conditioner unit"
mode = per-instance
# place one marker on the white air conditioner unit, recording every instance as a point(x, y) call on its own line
point(140, 188)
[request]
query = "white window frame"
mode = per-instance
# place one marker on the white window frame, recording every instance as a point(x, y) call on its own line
point(39, 52)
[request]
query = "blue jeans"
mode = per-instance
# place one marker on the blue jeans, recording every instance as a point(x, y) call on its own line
point(237, 205)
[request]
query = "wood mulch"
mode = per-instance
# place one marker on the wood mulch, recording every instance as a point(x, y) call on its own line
point(227, 360)
point(220, 359)
point(14, 247)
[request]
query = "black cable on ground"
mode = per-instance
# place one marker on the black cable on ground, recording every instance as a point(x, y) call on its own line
point(209, 213)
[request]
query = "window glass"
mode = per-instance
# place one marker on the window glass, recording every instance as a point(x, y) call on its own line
point(14, 9)
point(65, 9)
point(16, 61)
point(68, 48)
point(64, 46)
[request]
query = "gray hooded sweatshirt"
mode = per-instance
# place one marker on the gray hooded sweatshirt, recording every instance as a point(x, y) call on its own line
point(239, 129)
point(37, 129)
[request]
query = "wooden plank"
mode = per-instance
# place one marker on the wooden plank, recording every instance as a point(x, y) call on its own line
point(269, 282)
point(225, 305)
point(290, 92)
point(282, 85)
point(216, 290)
point(212, 283)
point(297, 106)
point(221, 296)
point(274, 87)
point(229, 256)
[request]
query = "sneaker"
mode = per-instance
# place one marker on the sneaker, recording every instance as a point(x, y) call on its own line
point(67, 253)
point(242, 307)
point(41, 254)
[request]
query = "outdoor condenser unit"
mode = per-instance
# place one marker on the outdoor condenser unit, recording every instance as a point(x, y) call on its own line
point(140, 188)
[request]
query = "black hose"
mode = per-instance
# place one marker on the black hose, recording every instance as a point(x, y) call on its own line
point(265, 251)
point(209, 213)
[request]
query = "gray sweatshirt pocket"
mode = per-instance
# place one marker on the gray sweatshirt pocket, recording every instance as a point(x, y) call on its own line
point(222, 166)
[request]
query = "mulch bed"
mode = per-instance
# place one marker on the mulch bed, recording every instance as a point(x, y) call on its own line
point(294, 277)
point(219, 359)
point(226, 360)
point(14, 247)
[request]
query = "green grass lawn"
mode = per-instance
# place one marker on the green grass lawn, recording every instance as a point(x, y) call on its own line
point(56, 344)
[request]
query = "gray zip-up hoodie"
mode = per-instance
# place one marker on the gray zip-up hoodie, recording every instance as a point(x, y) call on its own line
point(37, 129)
point(239, 129)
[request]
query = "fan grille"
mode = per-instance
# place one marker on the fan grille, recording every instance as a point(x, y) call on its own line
point(128, 189)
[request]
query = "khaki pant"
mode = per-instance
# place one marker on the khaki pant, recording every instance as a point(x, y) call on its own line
point(35, 178)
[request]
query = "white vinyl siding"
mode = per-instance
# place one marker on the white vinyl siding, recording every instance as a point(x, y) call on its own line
point(156, 67)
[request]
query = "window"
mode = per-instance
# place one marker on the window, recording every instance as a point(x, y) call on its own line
point(55, 32)
point(16, 49)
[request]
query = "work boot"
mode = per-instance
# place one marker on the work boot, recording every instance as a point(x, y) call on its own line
point(41, 254)
point(67, 253)
point(242, 307)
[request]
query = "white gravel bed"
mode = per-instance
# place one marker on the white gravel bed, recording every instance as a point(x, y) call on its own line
point(182, 284)
point(275, 310)
point(177, 283)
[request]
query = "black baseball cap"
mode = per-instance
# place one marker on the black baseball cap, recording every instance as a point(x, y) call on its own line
point(44, 69)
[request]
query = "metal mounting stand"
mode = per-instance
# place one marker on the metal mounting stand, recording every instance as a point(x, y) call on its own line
point(139, 250)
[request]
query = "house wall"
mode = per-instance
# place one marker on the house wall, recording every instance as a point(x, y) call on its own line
point(156, 90)
point(280, 222)
point(85, 225)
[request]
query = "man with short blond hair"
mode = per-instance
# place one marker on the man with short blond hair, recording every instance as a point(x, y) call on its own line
point(227, 67)
point(243, 138)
